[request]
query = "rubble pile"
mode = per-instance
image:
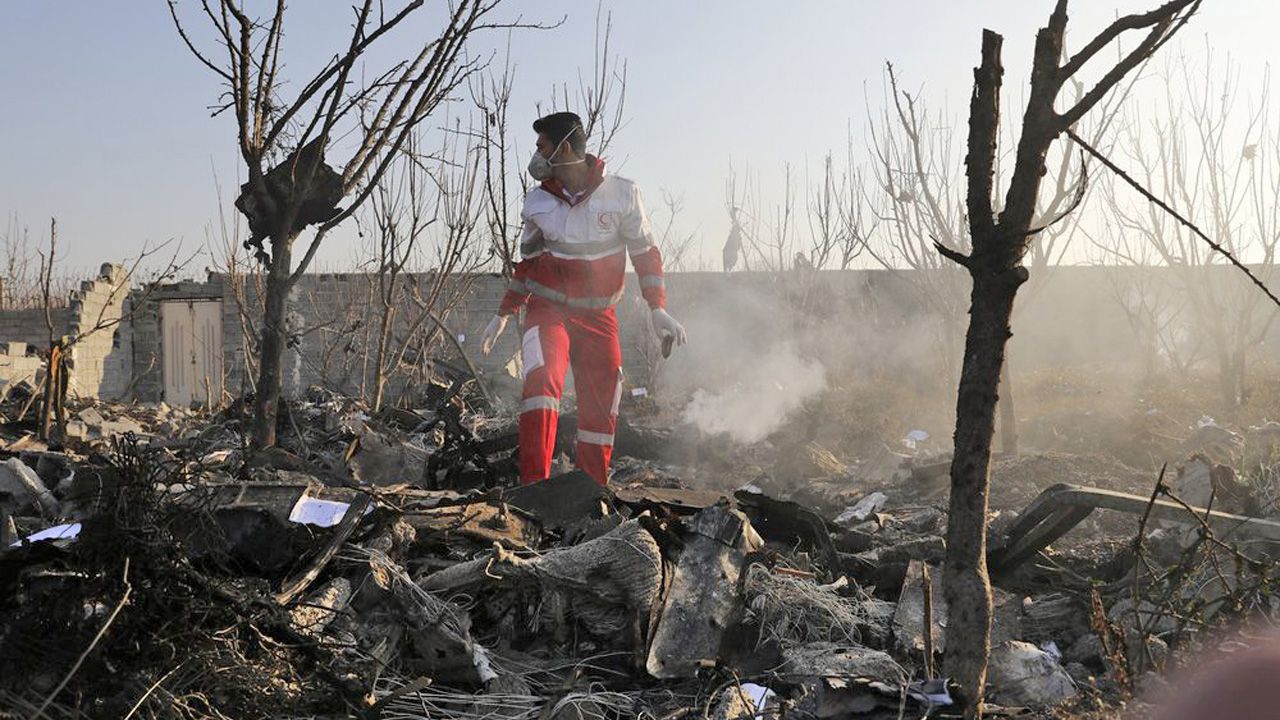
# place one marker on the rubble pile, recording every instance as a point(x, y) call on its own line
point(389, 565)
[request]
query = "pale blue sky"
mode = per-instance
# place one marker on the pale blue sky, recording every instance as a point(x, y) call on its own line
point(105, 121)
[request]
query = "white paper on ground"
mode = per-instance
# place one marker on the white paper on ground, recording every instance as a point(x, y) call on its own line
point(58, 532)
point(932, 692)
point(863, 508)
point(639, 392)
point(1051, 648)
point(322, 513)
point(914, 437)
point(759, 695)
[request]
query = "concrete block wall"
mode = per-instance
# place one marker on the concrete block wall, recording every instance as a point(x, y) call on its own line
point(18, 364)
point(29, 325)
point(101, 362)
point(337, 316)
point(861, 318)
point(874, 312)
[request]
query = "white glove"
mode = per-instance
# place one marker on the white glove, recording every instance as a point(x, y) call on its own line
point(666, 326)
point(491, 333)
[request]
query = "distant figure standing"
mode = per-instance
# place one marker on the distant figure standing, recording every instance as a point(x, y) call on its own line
point(733, 245)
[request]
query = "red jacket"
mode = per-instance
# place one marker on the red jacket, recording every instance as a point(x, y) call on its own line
point(572, 250)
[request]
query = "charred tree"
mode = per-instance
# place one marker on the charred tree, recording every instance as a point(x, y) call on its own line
point(995, 266)
point(283, 140)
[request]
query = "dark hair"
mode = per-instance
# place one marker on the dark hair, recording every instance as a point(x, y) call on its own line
point(558, 125)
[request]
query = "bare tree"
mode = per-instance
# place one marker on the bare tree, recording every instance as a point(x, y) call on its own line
point(243, 282)
point(674, 244)
point(16, 261)
point(768, 237)
point(112, 311)
point(600, 100)
point(1209, 151)
point(283, 141)
point(917, 197)
point(1153, 307)
point(400, 214)
point(999, 244)
point(839, 222)
point(504, 184)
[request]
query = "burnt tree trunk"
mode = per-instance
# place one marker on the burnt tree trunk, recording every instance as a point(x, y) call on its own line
point(995, 267)
point(1008, 412)
point(967, 585)
point(275, 337)
point(52, 415)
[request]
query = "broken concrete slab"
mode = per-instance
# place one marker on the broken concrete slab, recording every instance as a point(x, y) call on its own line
point(908, 616)
point(1220, 445)
point(25, 489)
point(703, 597)
point(1022, 674)
point(381, 461)
point(90, 424)
point(836, 660)
point(862, 510)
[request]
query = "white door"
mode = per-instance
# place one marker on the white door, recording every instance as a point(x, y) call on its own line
point(192, 350)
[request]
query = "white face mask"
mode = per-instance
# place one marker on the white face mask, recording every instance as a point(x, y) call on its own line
point(541, 168)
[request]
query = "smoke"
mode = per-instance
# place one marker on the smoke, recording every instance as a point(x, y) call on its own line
point(758, 399)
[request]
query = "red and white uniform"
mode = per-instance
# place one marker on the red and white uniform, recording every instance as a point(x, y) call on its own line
point(573, 256)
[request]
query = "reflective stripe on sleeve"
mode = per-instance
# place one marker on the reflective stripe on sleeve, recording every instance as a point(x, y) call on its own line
point(652, 281)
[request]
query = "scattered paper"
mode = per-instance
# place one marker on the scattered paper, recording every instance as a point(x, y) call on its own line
point(863, 509)
point(58, 532)
point(639, 392)
point(931, 692)
point(1205, 421)
point(1051, 649)
point(462, 337)
point(321, 513)
point(915, 437)
point(759, 695)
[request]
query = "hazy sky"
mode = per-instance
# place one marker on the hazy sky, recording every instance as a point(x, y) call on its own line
point(105, 122)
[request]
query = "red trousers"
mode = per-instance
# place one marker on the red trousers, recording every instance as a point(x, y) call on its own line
point(555, 338)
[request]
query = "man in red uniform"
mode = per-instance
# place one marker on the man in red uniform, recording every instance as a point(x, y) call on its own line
point(579, 227)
